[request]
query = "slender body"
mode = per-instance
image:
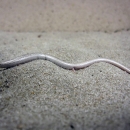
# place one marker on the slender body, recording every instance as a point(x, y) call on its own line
point(31, 57)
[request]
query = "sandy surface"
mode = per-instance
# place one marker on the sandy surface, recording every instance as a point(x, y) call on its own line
point(64, 15)
point(41, 95)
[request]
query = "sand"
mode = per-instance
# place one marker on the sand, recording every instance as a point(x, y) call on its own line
point(40, 95)
point(64, 15)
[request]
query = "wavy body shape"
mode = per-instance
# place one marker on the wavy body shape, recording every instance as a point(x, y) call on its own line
point(31, 57)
